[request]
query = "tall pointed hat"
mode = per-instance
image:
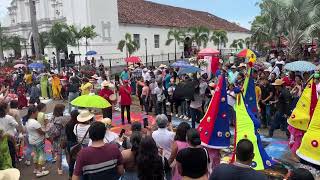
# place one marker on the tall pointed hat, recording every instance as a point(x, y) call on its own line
point(309, 149)
point(249, 91)
point(214, 127)
point(247, 127)
point(302, 114)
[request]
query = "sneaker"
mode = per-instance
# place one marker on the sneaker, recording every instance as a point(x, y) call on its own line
point(177, 115)
point(190, 119)
point(60, 171)
point(42, 173)
point(181, 117)
point(27, 163)
point(185, 118)
point(168, 103)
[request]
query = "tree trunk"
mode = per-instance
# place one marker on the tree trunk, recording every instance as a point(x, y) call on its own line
point(34, 26)
point(58, 59)
point(79, 51)
point(175, 50)
point(86, 45)
point(1, 51)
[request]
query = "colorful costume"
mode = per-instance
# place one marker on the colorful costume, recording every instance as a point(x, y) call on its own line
point(249, 93)
point(310, 146)
point(247, 127)
point(56, 87)
point(44, 86)
point(214, 127)
point(22, 99)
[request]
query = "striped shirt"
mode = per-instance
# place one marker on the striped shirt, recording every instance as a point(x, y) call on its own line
point(98, 163)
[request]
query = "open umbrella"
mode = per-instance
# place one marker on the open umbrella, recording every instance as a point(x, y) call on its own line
point(91, 53)
point(36, 66)
point(188, 70)
point(208, 52)
point(133, 59)
point(17, 66)
point(247, 53)
point(180, 64)
point(301, 66)
point(91, 101)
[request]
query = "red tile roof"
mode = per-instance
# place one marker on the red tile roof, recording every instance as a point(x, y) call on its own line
point(154, 14)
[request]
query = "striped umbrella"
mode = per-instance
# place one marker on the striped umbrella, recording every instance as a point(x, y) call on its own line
point(250, 54)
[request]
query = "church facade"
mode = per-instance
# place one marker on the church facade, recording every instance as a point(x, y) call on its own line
point(148, 23)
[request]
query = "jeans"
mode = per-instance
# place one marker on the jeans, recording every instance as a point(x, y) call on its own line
point(145, 100)
point(71, 160)
point(160, 106)
point(279, 122)
point(195, 116)
point(183, 108)
point(71, 97)
point(153, 103)
point(127, 107)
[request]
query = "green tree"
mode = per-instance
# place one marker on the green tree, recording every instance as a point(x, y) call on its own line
point(88, 32)
point(44, 41)
point(247, 41)
point(219, 38)
point(14, 43)
point(237, 44)
point(77, 35)
point(200, 35)
point(177, 36)
point(60, 37)
point(3, 41)
point(129, 44)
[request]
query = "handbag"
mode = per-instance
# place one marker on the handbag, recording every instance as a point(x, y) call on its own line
point(74, 150)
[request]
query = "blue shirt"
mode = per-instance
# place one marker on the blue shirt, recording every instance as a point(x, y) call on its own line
point(167, 81)
point(124, 75)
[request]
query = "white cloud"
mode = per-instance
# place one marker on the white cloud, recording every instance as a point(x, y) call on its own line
point(3, 7)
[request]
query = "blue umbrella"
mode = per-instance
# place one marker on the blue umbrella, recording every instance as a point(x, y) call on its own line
point(190, 69)
point(180, 64)
point(91, 53)
point(36, 66)
point(301, 66)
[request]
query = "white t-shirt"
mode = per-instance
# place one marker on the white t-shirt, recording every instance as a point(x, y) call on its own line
point(231, 98)
point(8, 124)
point(32, 126)
point(164, 139)
point(80, 131)
point(109, 137)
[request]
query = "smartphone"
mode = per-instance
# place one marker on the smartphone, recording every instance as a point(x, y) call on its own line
point(122, 133)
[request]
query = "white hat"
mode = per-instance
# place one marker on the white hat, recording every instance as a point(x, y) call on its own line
point(105, 83)
point(268, 70)
point(10, 174)
point(233, 67)
point(280, 62)
point(84, 116)
point(95, 76)
point(162, 66)
point(242, 65)
point(145, 69)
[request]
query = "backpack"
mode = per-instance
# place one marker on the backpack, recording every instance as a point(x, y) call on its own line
point(54, 129)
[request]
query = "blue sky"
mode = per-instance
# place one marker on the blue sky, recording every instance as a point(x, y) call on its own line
point(238, 11)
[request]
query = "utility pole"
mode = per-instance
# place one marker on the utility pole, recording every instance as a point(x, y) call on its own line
point(35, 30)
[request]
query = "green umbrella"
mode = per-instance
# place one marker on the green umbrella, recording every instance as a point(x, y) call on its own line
point(91, 101)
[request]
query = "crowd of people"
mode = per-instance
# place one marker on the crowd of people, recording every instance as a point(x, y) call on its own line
point(156, 152)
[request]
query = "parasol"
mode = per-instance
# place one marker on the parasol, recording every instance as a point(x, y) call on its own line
point(180, 64)
point(91, 53)
point(91, 101)
point(133, 59)
point(301, 66)
point(188, 70)
point(208, 52)
point(19, 66)
point(36, 66)
point(247, 53)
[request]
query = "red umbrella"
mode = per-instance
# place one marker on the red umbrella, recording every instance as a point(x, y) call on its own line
point(208, 52)
point(133, 59)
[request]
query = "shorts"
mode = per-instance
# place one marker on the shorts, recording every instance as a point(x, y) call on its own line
point(39, 154)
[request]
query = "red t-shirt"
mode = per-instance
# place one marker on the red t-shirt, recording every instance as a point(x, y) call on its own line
point(125, 94)
point(105, 93)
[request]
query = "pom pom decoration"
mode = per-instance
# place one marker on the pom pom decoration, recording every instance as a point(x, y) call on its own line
point(237, 90)
point(317, 76)
point(250, 64)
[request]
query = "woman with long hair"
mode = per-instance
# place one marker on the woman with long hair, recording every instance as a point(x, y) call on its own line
point(59, 142)
point(71, 139)
point(36, 138)
point(130, 157)
point(180, 142)
point(151, 166)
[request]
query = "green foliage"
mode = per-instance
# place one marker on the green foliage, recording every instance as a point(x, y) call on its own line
point(176, 35)
point(219, 38)
point(129, 44)
point(237, 44)
point(44, 39)
point(200, 35)
point(88, 32)
point(60, 36)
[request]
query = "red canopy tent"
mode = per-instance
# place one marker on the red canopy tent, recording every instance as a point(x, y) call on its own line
point(213, 53)
point(133, 59)
point(208, 52)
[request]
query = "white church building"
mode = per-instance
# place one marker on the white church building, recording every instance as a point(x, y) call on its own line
point(147, 21)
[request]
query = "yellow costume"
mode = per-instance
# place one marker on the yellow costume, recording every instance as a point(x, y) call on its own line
point(301, 115)
point(86, 88)
point(56, 87)
point(310, 146)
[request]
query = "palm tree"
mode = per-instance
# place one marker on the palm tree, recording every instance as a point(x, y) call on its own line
point(3, 39)
point(219, 37)
point(200, 35)
point(237, 44)
point(88, 32)
point(129, 44)
point(77, 35)
point(60, 37)
point(14, 43)
point(176, 36)
point(34, 26)
point(247, 41)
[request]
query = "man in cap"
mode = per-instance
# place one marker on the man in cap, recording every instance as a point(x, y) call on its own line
point(106, 93)
point(282, 102)
point(233, 74)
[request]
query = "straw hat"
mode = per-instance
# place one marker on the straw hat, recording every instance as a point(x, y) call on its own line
point(105, 83)
point(84, 116)
point(242, 65)
point(95, 76)
point(163, 66)
point(10, 174)
point(278, 82)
